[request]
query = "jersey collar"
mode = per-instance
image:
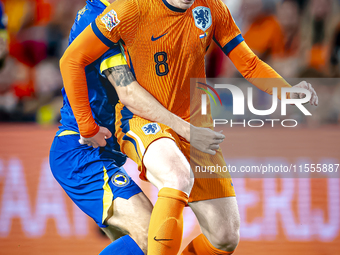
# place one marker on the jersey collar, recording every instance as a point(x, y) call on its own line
point(173, 8)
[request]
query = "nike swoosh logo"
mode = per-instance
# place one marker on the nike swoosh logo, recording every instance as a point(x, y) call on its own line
point(159, 240)
point(155, 39)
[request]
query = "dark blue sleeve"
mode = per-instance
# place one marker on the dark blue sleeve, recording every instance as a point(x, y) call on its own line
point(2, 25)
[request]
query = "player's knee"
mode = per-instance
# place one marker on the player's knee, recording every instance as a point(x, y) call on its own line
point(226, 238)
point(141, 240)
point(167, 166)
point(140, 234)
point(181, 181)
point(132, 216)
point(140, 225)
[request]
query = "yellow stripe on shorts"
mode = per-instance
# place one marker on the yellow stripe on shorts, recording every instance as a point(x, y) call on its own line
point(107, 197)
point(68, 132)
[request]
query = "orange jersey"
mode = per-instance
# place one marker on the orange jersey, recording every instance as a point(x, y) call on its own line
point(166, 48)
point(167, 45)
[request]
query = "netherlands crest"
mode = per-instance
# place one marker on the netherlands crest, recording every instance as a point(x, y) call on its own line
point(202, 17)
point(151, 128)
point(110, 20)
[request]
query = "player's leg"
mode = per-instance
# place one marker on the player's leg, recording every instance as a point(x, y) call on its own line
point(92, 180)
point(220, 223)
point(169, 170)
point(167, 166)
point(153, 147)
point(213, 201)
point(128, 215)
point(128, 219)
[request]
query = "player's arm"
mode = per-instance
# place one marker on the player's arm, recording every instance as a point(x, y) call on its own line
point(254, 70)
point(140, 102)
point(229, 38)
point(85, 49)
point(93, 42)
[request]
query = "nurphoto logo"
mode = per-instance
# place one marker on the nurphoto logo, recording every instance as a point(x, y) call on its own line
point(239, 105)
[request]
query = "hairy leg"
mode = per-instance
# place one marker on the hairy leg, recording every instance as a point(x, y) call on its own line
point(219, 221)
point(130, 217)
point(167, 166)
point(169, 170)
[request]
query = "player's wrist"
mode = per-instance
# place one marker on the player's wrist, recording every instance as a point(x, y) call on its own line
point(186, 127)
point(180, 126)
point(88, 133)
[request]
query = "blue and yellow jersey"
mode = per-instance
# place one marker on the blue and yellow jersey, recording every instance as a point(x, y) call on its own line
point(3, 21)
point(101, 93)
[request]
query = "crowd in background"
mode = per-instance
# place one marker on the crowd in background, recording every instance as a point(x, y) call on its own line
point(298, 38)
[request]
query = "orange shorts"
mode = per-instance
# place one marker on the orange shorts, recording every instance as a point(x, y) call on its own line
point(134, 135)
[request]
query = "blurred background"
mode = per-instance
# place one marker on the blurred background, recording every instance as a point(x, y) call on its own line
point(299, 38)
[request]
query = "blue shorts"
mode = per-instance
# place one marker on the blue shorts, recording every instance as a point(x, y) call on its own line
point(92, 178)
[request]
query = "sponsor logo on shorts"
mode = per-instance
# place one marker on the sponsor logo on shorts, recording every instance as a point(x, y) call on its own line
point(151, 128)
point(110, 20)
point(120, 180)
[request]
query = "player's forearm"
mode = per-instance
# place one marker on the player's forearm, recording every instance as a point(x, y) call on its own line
point(72, 66)
point(143, 104)
point(76, 89)
point(140, 102)
point(256, 71)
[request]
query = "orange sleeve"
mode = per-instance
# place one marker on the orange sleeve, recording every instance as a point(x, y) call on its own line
point(226, 33)
point(85, 49)
point(118, 21)
point(254, 70)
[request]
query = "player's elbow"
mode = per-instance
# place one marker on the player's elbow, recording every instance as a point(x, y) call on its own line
point(252, 64)
point(71, 60)
point(64, 62)
point(127, 100)
point(126, 96)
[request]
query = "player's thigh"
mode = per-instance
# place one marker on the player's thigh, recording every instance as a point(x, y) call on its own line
point(219, 220)
point(130, 216)
point(155, 149)
point(90, 177)
point(166, 166)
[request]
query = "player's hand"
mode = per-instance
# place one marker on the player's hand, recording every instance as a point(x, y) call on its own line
point(314, 100)
point(99, 140)
point(205, 139)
